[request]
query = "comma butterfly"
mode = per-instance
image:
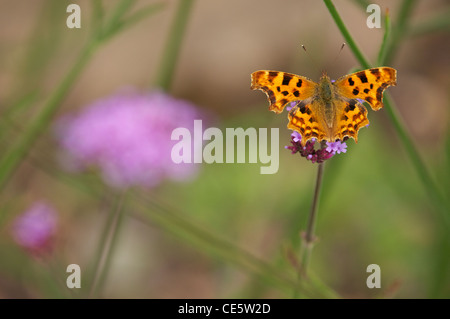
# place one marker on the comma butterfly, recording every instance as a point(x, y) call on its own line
point(326, 110)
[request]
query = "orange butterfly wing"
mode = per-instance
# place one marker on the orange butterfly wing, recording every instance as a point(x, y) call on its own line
point(305, 118)
point(340, 118)
point(282, 88)
point(367, 85)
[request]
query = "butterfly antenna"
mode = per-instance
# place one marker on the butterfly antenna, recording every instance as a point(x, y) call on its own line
point(312, 59)
point(338, 54)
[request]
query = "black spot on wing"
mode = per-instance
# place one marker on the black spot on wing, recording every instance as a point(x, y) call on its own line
point(302, 109)
point(299, 83)
point(296, 93)
point(272, 75)
point(302, 106)
point(286, 79)
point(285, 93)
point(350, 106)
point(271, 95)
point(366, 91)
point(380, 93)
point(351, 82)
point(363, 77)
point(355, 91)
point(375, 72)
point(283, 102)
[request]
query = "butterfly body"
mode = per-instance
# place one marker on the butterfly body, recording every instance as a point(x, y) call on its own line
point(326, 94)
point(326, 89)
point(325, 110)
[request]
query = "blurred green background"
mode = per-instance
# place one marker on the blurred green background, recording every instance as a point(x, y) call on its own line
point(199, 239)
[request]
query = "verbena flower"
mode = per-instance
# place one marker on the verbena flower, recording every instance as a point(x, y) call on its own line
point(128, 136)
point(313, 154)
point(291, 105)
point(36, 227)
point(336, 147)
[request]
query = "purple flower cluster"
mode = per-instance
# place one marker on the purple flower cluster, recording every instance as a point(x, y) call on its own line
point(291, 105)
point(128, 136)
point(311, 153)
point(34, 229)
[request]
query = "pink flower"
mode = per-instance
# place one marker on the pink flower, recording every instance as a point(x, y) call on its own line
point(336, 147)
point(128, 136)
point(310, 152)
point(35, 228)
point(291, 105)
point(296, 137)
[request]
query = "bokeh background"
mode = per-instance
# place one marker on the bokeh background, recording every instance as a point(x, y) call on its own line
point(216, 235)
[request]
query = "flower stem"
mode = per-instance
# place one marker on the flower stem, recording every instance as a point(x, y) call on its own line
point(405, 138)
point(386, 39)
point(348, 38)
point(14, 156)
point(172, 49)
point(308, 237)
point(400, 30)
point(19, 151)
point(107, 247)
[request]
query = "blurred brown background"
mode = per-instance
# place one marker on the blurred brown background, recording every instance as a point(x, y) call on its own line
point(225, 42)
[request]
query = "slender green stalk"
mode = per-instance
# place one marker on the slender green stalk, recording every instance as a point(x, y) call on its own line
point(21, 105)
point(405, 138)
point(150, 211)
point(363, 3)
point(434, 192)
point(207, 241)
point(386, 38)
point(108, 245)
point(172, 49)
point(43, 44)
point(93, 273)
point(348, 38)
point(18, 151)
point(13, 157)
point(400, 30)
point(138, 16)
point(308, 238)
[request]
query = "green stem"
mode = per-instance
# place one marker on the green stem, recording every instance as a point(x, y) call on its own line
point(107, 248)
point(187, 232)
point(432, 189)
point(19, 150)
point(225, 250)
point(348, 38)
point(399, 31)
point(172, 49)
point(21, 105)
point(308, 238)
point(13, 157)
point(386, 39)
